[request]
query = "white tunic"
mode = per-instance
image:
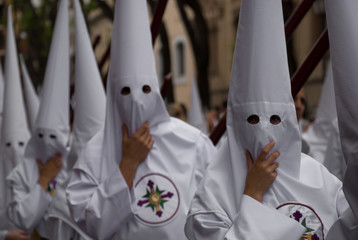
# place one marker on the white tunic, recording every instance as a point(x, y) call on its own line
point(163, 187)
point(217, 214)
point(29, 201)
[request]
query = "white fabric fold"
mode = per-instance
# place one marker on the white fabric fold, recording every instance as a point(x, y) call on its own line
point(279, 228)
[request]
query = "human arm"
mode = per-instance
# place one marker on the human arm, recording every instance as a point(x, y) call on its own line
point(17, 235)
point(218, 214)
point(261, 173)
point(98, 195)
point(254, 219)
point(135, 150)
point(28, 200)
point(49, 170)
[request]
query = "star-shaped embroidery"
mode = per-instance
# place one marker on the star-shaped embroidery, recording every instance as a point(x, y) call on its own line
point(155, 199)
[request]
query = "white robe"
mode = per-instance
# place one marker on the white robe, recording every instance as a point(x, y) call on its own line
point(217, 214)
point(29, 201)
point(103, 205)
point(59, 223)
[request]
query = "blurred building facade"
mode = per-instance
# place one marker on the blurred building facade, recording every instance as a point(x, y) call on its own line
point(221, 17)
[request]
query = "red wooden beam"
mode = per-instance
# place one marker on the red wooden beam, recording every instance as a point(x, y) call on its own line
point(157, 19)
point(104, 58)
point(219, 130)
point(166, 85)
point(314, 57)
point(96, 42)
point(297, 16)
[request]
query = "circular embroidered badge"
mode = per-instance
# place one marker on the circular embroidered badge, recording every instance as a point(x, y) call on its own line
point(307, 217)
point(157, 199)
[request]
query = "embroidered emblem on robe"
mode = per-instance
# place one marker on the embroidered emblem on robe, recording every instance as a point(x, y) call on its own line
point(52, 187)
point(307, 217)
point(157, 199)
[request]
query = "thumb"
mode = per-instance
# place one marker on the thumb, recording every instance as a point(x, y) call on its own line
point(125, 132)
point(39, 163)
point(250, 161)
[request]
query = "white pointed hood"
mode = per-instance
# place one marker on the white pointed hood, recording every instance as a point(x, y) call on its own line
point(15, 133)
point(32, 101)
point(132, 68)
point(51, 130)
point(318, 134)
point(89, 112)
point(260, 85)
point(343, 37)
point(196, 115)
point(14, 121)
point(89, 96)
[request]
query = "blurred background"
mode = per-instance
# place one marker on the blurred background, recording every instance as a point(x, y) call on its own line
point(196, 40)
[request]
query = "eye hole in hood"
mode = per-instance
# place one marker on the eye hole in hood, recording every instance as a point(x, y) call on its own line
point(275, 120)
point(253, 119)
point(146, 89)
point(125, 91)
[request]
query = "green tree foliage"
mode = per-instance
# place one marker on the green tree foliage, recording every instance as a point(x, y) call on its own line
point(33, 28)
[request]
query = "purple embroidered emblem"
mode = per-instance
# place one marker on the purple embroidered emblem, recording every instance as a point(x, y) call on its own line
point(297, 215)
point(155, 198)
point(315, 237)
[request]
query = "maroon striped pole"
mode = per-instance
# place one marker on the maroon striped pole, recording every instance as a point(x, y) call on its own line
point(166, 85)
point(157, 19)
point(314, 57)
point(296, 17)
point(96, 41)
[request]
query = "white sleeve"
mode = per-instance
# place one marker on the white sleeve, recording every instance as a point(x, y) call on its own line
point(341, 203)
point(27, 208)
point(207, 225)
point(259, 222)
point(254, 221)
point(3, 234)
point(345, 228)
point(99, 208)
